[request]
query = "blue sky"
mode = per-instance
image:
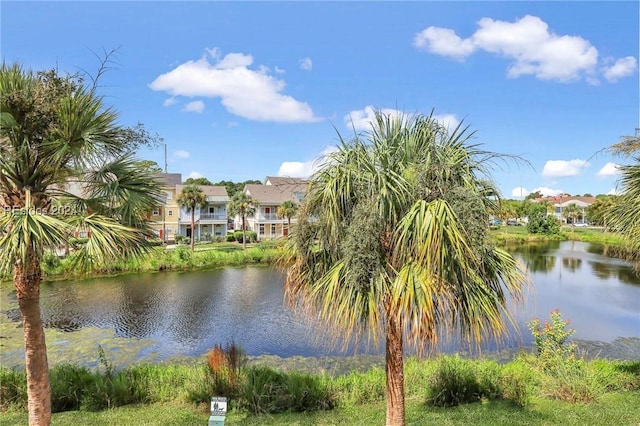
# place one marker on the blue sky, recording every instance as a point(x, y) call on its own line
point(243, 90)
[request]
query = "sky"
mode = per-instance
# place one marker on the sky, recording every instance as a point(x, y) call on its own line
point(245, 90)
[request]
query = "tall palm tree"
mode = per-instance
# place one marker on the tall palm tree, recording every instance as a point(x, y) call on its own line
point(571, 212)
point(54, 131)
point(191, 198)
point(243, 205)
point(288, 210)
point(380, 249)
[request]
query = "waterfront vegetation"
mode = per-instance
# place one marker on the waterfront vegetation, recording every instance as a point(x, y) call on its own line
point(552, 386)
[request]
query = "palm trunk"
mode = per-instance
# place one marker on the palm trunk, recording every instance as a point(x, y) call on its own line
point(394, 366)
point(193, 228)
point(27, 278)
point(244, 237)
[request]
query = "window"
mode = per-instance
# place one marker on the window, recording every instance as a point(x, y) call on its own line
point(262, 229)
point(299, 196)
point(169, 196)
point(170, 212)
point(267, 210)
point(156, 212)
point(273, 229)
point(212, 210)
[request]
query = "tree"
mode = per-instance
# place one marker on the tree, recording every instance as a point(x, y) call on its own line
point(243, 205)
point(149, 165)
point(198, 181)
point(288, 210)
point(233, 187)
point(624, 215)
point(54, 132)
point(598, 212)
point(379, 246)
point(191, 198)
point(571, 212)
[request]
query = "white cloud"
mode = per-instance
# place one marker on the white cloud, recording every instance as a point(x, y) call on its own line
point(195, 106)
point(530, 45)
point(306, 64)
point(562, 168)
point(361, 119)
point(519, 192)
point(169, 101)
point(443, 41)
point(279, 70)
point(303, 169)
point(609, 169)
point(548, 192)
point(195, 175)
point(181, 154)
point(254, 94)
point(623, 67)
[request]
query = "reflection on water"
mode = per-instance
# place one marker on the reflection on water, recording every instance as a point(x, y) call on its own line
point(188, 313)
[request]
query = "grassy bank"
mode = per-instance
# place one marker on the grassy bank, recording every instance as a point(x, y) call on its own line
point(179, 258)
point(592, 235)
point(447, 390)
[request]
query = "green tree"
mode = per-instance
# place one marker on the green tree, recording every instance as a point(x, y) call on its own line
point(198, 181)
point(379, 247)
point(149, 165)
point(598, 212)
point(243, 205)
point(288, 210)
point(624, 215)
point(56, 132)
point(191, 198)
point(233, 187)
point(571, 213)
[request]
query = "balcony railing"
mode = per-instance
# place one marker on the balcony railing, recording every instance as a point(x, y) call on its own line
point(268, 216)
point(213, 216)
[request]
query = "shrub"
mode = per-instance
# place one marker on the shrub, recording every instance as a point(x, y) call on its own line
point(251, 236)
point(268, 391)
point(68, 385)
point(519, 381)
point(230, 237)
point(551, 340)
point(458, 381)
point(225, 365)
point(13, 389)
point(360, 388)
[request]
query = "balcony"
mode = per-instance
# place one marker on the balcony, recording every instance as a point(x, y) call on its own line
point(268, 216)
point(213, 216)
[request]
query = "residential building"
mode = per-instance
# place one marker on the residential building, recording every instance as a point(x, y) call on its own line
point(169, 219)
point(276, 190)
point(560, 202)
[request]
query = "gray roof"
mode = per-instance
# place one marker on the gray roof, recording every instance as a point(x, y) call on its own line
point(276, 193)
point(283, 180)
point(170, 179)
point(213, 193)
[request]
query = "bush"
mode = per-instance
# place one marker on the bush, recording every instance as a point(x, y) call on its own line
point(459, 381)
point(543, 224)
point(13, 389)
point(68, 385)
point(268, 391)
point(518, 381)
point(225, 366)
point(230, 237)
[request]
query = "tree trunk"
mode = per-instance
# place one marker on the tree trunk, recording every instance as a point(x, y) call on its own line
point(27, 280)
point(193, 228)
point(244, 236)
point(394, 370)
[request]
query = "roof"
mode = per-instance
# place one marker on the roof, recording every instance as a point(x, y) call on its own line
point(213, 193)
point(276, 193)
point(283, 180)
point(565, 199)
point(170, 179)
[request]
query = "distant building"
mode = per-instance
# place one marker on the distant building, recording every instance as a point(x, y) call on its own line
point(276, 190)
point(169, 220)
point(560, 202)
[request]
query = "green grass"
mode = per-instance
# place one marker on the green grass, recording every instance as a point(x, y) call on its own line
point(619, 409)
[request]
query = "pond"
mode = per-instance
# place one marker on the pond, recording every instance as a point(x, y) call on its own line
point(186, 314)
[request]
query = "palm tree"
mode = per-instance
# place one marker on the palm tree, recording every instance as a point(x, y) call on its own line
point(288, 210)
point(624, 214)
point(379, 246)
point(243, 205)
point(55, 131)
point(191, 198)
point(571, 212)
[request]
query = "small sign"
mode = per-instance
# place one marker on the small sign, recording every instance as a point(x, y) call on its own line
point(218, 406)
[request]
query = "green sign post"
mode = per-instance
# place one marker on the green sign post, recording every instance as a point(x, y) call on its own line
point(218, 411)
